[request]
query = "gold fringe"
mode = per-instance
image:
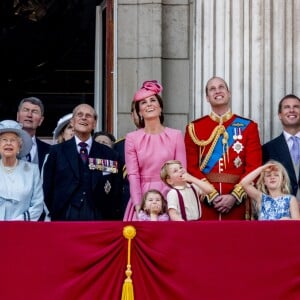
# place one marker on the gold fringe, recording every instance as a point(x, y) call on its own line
point(129, 233)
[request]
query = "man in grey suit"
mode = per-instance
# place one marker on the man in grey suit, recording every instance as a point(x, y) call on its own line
point(83, 178)
point(31, 115)
point(281, 148)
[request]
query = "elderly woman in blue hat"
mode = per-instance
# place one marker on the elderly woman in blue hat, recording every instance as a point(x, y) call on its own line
point(21, 194)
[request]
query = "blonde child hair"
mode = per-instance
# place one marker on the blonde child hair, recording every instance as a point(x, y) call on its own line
point(164, 173)
point(285, 184)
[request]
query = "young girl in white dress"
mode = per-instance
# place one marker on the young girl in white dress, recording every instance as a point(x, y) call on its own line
point(271, 193)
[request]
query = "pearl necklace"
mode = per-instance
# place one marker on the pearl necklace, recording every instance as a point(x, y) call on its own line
point(9, 169)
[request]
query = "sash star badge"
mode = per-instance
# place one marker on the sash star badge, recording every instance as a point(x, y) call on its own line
point(238, 147)
point(237, 162)
point(107, 187)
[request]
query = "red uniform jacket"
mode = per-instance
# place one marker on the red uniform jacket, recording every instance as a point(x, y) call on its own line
point(232, 161)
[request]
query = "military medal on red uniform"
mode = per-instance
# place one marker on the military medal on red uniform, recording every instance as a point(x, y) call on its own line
point(237, 146)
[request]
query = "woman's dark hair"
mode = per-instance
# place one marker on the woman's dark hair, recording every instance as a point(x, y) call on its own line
point(161, 117)
point(109, 135)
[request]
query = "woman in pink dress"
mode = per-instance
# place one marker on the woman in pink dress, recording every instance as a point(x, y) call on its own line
point(147, 148)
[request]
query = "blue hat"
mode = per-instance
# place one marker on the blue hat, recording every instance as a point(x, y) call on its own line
point(13, 126)
point(62, 122)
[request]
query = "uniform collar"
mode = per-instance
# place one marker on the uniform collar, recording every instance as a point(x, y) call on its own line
point(221, 119)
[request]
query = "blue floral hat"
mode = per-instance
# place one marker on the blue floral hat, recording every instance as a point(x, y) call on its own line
point(13, 126)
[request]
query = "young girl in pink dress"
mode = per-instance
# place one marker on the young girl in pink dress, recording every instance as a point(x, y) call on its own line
point(147, 148)
point(153, 207)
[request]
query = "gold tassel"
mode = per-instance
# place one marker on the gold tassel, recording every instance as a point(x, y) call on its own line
point(129, 233)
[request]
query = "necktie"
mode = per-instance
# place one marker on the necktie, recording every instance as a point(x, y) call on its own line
point(28, 157)
point(83, 151)
point(295, 150)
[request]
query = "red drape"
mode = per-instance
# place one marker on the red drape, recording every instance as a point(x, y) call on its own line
point(170, 260)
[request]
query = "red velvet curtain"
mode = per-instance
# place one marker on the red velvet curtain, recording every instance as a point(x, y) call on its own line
point(170, 260)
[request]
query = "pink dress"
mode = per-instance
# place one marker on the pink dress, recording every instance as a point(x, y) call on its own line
point(144, 156)
point(142, 216)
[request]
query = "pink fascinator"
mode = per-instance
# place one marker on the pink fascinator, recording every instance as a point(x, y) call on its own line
point(149, 88)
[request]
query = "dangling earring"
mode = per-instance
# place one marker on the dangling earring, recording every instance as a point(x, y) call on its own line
point(141, 118)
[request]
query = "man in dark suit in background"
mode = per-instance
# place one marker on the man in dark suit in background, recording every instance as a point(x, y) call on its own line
point(281, 147)
point(83, 178)
point(119, 146)
point(31, 115)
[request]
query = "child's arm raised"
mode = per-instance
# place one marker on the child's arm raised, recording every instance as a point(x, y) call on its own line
point(204, 186)
point(248, 185)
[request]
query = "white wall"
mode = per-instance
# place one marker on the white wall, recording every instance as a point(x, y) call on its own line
point(255, 46)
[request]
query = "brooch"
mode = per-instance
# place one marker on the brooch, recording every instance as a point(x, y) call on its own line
point(107, 187)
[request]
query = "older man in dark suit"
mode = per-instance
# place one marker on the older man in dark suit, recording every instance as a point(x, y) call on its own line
point(82, 178)
point(283, 147)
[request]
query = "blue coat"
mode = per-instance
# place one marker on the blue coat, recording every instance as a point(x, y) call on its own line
point(21, 193)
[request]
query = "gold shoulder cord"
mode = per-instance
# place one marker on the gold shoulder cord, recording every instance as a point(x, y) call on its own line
point(217, 132)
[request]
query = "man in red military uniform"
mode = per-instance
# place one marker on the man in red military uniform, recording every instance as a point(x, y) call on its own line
point(222, 148)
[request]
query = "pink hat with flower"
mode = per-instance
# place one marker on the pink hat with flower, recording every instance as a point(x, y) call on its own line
point(149, 88)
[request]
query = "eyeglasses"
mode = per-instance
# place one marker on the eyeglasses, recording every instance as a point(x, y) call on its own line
point(80, 115)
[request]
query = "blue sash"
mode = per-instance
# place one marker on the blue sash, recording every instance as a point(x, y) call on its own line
point(218, 151)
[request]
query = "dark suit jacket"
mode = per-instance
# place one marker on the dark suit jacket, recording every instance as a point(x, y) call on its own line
point(42, 150)
point(277, 149)
point(61, 179)
point(119, 146)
